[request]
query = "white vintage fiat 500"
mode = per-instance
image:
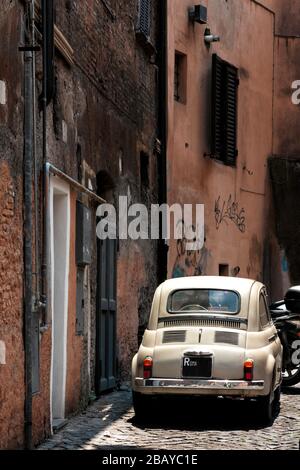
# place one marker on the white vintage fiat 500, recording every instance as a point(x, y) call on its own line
point(209, 336)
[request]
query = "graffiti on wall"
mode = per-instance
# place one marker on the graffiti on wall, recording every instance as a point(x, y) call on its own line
point(189, 263)
point(229, 210)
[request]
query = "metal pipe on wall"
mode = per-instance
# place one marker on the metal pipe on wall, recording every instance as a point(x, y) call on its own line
point(44, 297)
point(28, 166)
point(162, 132)
point(48, 171)
point(36, 184)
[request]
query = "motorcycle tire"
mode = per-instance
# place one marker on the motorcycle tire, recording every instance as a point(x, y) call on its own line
point(292, 380)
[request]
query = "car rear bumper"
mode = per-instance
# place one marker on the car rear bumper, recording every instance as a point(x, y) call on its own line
point(209, 386)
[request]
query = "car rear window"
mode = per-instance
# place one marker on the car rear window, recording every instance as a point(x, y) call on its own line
point(204, 300)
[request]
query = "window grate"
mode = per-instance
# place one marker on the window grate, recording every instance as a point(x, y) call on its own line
point(143, 26)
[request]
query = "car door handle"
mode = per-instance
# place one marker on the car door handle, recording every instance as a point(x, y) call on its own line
point(272, 338)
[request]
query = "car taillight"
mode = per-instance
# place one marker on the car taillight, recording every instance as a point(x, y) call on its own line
point(248, 369)
point(148, 362)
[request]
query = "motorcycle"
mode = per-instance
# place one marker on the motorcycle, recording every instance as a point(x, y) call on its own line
point(286, 317)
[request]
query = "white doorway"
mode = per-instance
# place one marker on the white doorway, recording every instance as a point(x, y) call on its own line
point(60, 246)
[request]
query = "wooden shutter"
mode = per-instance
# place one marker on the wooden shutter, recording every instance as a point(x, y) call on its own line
point(231, 74)
point(224, 110)
point(144, 17)
point(217, 108)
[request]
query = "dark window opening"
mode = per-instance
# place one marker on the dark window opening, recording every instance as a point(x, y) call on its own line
point(176, 77)
point(105, 185)
point(225, 83)
point(79, 162)
point(180, 72)
point(144, 170)
point(223, 270)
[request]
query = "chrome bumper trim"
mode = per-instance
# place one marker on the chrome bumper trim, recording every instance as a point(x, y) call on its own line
point(200, 384)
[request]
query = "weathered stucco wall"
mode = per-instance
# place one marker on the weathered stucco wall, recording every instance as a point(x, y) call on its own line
point(11, 318)
point(286, 113)
point(108, 100)
point(284, 172)
point(103, 115)
point(246, 31)
point(11, 237)
point(284, 168)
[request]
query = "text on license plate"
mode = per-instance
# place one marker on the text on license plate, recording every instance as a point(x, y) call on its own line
point(197, 367)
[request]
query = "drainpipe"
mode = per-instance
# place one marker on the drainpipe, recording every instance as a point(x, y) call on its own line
point(162, 132)
point(47, 20)
point(46, 267)
point(28, 304)
point(45, 279)
point(36, 185)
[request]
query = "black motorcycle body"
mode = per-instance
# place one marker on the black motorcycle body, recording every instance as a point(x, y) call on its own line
point(286, 318)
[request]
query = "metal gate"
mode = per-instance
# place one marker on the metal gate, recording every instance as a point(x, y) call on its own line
point(106, 316)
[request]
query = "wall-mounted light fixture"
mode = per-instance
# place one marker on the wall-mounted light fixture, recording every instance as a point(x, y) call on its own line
point(198, 14)
point(209, 37)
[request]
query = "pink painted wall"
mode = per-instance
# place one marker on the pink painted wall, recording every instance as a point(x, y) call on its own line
point(247, 39)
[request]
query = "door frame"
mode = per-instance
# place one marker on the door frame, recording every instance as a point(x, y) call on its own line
point(99, 311)
point(59, 188)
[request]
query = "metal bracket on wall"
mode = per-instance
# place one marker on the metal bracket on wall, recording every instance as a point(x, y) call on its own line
point(32, 48)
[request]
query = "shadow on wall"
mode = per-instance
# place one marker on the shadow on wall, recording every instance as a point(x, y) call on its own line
point(284, 174)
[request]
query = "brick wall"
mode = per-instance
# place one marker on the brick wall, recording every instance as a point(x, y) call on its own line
point(108, 100)
point(11, 238)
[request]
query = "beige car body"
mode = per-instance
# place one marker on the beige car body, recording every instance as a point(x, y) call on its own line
point(230, 339)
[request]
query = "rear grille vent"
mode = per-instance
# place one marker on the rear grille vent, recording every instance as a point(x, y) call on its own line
point(203, 322)
point(174, 336)
point(226, 337)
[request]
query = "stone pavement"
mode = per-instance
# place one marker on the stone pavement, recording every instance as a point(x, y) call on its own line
point(109, 424)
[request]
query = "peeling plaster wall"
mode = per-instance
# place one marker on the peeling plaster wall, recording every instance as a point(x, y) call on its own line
point(11, 236)
point(11, 311)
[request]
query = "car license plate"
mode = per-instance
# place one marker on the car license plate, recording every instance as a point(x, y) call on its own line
point(197, 367)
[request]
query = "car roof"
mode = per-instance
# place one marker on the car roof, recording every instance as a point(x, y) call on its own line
point(209, 282)
point(248, 290)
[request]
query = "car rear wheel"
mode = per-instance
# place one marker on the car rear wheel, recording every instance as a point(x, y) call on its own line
point(141, 405)
point(268, 405)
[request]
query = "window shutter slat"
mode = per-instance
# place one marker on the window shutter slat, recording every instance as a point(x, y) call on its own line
point(217, 107)
point(224, 110)
point(231, 113)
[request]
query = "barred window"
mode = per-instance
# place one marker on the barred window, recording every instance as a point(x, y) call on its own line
point(225, 83)
point(144, 15)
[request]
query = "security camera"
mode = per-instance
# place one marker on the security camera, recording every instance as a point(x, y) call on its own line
point(208, 37)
